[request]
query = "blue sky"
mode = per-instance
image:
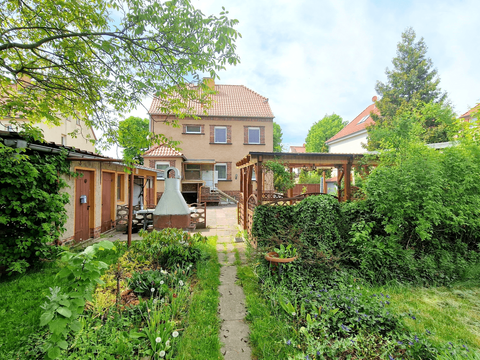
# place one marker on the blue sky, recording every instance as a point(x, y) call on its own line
point(312, 58)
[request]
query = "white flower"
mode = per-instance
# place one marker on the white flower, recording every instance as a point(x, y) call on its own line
point(181, 283)
point(293, 314)
point(158, 340)
point(167, 343)
point(162, 353)
point(152, 290)
point(161, 282)
point(164, 272)
point(175, 334)
point(154, 301)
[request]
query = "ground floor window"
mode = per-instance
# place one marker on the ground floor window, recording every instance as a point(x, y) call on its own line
point(222, 171)
point(162, 166)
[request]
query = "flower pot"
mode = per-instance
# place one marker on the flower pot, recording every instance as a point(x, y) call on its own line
point(273, 257)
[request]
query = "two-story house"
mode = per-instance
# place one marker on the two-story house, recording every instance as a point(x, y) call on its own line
point(239, 121)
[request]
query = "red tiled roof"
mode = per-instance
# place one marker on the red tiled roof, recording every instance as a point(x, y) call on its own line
point(297, 149)
point(354, 125)
point(332, 179)
point(471, 111)
point(162, 151)
point(230, 100)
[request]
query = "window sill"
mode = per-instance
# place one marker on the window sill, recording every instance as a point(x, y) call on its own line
point(185, 133)
point(252, 144)
point(214, 143)
point(224, 180)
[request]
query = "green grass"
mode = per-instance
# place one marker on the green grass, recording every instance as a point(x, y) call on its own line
point(200, 340)
point(267, 332)
point(22, 296)
point(20, 301)
point(450, 314)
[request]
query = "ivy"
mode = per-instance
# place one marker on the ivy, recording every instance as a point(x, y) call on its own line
point(32, 205)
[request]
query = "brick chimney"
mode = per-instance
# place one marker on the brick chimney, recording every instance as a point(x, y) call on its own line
point(210, 82)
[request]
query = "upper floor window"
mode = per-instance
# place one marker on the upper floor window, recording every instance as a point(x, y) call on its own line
point(193, 129)
point(78, 121)
point(222, 171)
point(162, 166)
point(220, 134)
point(64, 139)
point(9, 128)
point(253, 135)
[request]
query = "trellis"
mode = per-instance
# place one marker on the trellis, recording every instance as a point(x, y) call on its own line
point(259, 191)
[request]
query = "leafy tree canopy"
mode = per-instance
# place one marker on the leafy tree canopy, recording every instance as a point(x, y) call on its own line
point(412, 83)
point(277, 138)
point(98, 59)
point(133, 136)
point(321, 131)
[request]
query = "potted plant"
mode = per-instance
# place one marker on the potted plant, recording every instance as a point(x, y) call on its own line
point(239, 237)
point(282, 255)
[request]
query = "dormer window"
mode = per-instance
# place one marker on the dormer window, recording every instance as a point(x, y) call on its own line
point(364, 119)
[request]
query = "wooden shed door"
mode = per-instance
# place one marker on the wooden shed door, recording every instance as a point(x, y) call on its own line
point(82, 208)
point(107, 183)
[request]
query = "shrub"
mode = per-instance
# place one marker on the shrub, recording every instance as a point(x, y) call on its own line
point(168, 248)
point(32, 207)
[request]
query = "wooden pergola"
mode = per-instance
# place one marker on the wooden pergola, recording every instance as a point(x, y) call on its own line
point(253, 163)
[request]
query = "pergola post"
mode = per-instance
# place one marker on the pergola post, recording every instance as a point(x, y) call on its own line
point(130, 210)
point(245, 197)
point(339, 182)
point(324, 182)
point(347, 169)
point(290, 191)
point(259, 177)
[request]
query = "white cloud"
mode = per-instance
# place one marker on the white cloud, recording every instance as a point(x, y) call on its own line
point(312, 58)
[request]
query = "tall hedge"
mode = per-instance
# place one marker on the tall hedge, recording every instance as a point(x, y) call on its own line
point(32, 208)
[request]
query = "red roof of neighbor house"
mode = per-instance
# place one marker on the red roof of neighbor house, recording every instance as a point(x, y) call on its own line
point(471, 111)
point(297, 149)
point(332, 179)
point(355, 125)
point(230, 100)
point(162, 151)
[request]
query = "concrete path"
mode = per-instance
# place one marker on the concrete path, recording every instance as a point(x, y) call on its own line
point(234, 333)
point(222, 221)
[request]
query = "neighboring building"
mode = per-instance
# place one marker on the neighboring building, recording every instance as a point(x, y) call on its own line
point(61, 134)
point(239, 121)
point(99, 197)
point(471, 114)
point(297, 149)
point(352, 137)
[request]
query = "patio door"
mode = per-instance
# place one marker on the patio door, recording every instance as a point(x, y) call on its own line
point(83, 204)
point(107, 187)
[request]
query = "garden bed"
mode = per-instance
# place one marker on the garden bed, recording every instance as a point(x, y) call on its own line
point(146, 305)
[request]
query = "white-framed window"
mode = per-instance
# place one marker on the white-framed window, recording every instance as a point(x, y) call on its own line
point(220, 134)
point(254, 135)
point(364, 119)
point(222, 171)
point(77, 121)
point(193, 129)
point(161, 165)
point(9, 128)
point(254, 177)
point(64, 139)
